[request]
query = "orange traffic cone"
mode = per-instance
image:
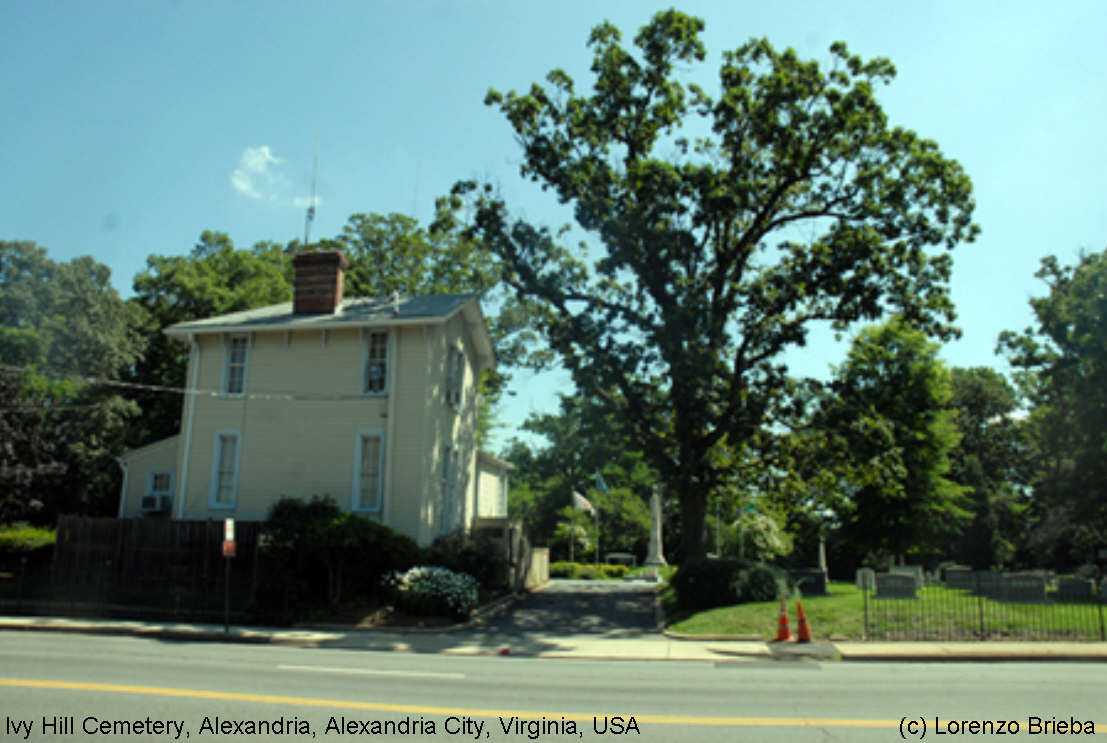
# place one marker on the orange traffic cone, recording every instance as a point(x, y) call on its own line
point(783, 634)
point(804, 634)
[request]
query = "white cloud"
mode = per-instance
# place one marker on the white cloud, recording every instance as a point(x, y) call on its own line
point(259, 175)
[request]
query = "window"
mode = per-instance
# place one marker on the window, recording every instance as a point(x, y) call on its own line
point(224, 477)
point(375, 376)
point(455, 375)
point(368, 472)
point(234, 369)
point(159, 491)
point(448, 517)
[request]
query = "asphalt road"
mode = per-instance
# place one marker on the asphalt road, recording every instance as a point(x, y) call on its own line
point(87, 681)
point(581, 607)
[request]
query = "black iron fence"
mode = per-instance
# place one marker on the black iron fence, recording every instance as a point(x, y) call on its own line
point(940, 613)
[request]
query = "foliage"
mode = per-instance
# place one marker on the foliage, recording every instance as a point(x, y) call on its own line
point(757, 536)
point(583, 438)
point(315, 553)
point(587, 571)
point(803, 206)
point(1062, 372)
point(60, 322)
point(760, 583)
point(477, 557)
point(576, 531)
point(990, 461)
point(22, 541)
point(435, 591)
point(892, 436)
point(707, 583)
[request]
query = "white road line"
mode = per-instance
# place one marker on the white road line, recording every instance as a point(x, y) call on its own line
point(371, 672)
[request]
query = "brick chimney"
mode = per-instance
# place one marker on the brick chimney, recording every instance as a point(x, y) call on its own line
point(318, 285)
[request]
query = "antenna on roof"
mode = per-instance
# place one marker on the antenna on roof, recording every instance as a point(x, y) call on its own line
point(311, 206)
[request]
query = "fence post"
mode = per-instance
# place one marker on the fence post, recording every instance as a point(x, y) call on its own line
point(865, 601)
point(980, 613)
point(1102, 634)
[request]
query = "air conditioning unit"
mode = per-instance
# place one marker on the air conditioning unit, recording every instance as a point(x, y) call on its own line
point(157, 503)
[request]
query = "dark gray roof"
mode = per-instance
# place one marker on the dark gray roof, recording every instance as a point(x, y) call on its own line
point(356, 312)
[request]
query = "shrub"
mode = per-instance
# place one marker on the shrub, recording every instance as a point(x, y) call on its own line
point(479, 557)
point(760, 583)
point(707, 583)
point(313, 553)
point(586, 572)
point(562, 569)
point(434, 591)
point(615, 571)
point(21, 540)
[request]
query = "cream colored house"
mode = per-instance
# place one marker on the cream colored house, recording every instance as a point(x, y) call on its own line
point(370, 401)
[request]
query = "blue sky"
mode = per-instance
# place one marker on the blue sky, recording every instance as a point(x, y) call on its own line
point(129, 128)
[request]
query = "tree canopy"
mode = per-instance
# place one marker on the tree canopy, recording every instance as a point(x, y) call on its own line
point(1062, 371)
point(717, 253)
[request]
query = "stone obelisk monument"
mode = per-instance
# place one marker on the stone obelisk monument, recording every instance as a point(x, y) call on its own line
point(655, 558)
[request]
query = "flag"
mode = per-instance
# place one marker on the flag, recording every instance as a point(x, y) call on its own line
point(601, 484)
point(579, 501)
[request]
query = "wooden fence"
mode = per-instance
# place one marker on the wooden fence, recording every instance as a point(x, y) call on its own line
point(173, 566)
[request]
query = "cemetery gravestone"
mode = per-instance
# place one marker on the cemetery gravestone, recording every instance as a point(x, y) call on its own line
point(959, 578)
point(986, 583)
point(915, 571)
point(866, 579)
point(1023, 588)
point(811, 581)
point(895, 586)
point(1074, 588)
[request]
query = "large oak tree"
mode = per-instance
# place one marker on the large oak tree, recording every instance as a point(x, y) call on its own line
point(802, 204)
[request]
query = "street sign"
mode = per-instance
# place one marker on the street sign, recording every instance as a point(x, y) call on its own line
point(228, 530)
point(228, 549)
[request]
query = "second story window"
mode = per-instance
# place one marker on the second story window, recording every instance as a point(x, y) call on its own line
point(234, 371)
point(375, 376)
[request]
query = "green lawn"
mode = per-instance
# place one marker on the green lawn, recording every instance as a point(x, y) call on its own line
point(939, 613)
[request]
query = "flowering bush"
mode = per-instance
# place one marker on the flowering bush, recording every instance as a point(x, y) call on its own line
point(435, 591)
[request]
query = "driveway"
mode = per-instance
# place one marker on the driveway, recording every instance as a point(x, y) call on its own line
point(577, 607)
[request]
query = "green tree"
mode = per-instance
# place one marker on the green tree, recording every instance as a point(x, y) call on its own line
point(60, 324)
point(989, 461)
point(892, 422)
point(718, 253)
point(1062, 371)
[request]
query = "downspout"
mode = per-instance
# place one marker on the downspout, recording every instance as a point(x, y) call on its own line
point(123, 490)
point(182, 482)
point(390, 425)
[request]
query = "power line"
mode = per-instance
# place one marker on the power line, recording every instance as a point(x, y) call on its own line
point(103, 381)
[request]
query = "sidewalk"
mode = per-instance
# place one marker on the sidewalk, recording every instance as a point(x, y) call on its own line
point(473, 640)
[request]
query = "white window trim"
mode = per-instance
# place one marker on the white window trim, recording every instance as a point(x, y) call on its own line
point(215, 457)
point(355, 493)
point(227, 338)
point(366, 334)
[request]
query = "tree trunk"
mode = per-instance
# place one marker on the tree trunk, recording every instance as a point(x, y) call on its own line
point(693, 511)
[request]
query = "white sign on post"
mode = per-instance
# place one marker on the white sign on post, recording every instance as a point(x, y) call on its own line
point(228, 530)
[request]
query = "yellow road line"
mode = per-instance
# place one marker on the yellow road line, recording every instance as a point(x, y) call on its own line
point(160, 691)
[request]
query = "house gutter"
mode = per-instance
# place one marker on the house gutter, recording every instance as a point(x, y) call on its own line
point(123, 490)
point(182, 481)
point(390, 426)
